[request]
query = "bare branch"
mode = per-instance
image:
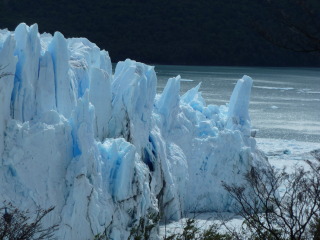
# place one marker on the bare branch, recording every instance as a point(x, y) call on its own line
point(272, 214)
point(17, 224)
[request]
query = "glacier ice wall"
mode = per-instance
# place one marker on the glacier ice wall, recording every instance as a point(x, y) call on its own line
point(103, 147)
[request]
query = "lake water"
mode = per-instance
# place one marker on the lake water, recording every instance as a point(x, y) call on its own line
point(285, 102)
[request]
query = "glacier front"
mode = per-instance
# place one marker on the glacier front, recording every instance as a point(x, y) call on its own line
point(104, 148)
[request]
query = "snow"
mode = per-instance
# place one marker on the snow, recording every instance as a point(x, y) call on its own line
point(103, 147)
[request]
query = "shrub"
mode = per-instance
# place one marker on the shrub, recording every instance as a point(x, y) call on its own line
point(279, 205)
point(16, 224)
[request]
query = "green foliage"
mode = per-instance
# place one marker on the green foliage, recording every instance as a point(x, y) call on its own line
point(213, 233)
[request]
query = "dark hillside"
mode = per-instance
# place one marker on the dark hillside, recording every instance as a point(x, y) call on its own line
point(197, 32)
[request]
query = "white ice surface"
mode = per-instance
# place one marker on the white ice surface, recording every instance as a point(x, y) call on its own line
point(103, 148)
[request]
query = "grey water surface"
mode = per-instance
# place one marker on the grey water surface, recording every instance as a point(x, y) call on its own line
point(285, 102)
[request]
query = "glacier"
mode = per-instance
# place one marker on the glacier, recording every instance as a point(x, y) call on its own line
point(103, 147)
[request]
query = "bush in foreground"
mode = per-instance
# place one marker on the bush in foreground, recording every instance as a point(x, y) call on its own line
point(16, 224)
point(280, 205)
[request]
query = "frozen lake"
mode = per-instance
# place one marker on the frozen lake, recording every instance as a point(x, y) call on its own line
point(285, 102)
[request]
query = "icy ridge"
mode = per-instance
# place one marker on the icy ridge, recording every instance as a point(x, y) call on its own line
point(104, 148)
